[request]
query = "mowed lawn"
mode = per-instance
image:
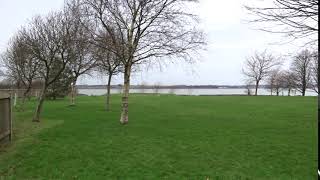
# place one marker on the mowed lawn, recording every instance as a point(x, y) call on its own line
point(168, 137)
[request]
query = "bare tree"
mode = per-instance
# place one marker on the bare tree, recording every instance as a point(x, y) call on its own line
point(258, 66)
point(80, 49)
point(273, 81)
point(295, 18)
point(315, 72)
point(301, 68)
point(21, 65)
point(279, 81)
point(289, 81)
point(145, 31)
point(107, 62)
point(48, 39)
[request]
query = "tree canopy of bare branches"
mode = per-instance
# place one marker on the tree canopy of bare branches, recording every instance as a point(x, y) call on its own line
point(107, 62)
point(288, 80)
point(22, 67)
point(49, 39)
point(145, 31)
point(301, 68)
point(295, 18)
point(258, 66)
point(81, 60)
point(274, 80)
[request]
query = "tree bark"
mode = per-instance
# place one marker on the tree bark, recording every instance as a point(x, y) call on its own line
point(256, 92)
point(303, 90)
point(304, 86)
point(125, 95)
point(108, 93)
point(36, 117)
point(15, 99)
point(73, 94)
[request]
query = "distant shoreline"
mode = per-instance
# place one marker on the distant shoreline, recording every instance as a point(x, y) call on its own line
point(169, 87)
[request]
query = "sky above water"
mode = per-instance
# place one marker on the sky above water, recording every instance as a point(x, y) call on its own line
point(230, 40)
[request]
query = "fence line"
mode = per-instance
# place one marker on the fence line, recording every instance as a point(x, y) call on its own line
point(19, 92)
point(5, 118)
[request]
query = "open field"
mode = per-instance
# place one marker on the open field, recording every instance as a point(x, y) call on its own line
point(173, 137)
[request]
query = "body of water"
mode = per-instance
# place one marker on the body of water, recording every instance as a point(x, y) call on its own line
point(99, 92)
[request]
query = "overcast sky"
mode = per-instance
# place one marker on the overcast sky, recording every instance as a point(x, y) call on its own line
point(230, 40)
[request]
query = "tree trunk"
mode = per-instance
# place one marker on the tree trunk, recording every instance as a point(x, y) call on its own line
point(304, 86)
point(125, 95)
point(24, 97)
point(256, 92)
point(108, 93)
point(15, 99)
point(73, 94)
point(289, 91)
point(277, 92)
point(303, 90)
point(36, 117)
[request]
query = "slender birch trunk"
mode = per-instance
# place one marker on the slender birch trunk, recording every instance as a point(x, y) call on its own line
point(125, 95)
point(108, 93)
point(15, 99)
point(73, 94)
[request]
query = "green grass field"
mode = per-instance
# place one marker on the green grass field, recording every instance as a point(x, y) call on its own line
point(168, 137)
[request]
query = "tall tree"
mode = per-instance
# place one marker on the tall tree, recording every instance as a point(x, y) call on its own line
point(258, 66)
point(301, 68)
point(49, 38)
point(21, 66)
point(79, 47)
point(148, 31)
point(295, 18)
point(274, 81)
point(107, 62)
point(289, 81)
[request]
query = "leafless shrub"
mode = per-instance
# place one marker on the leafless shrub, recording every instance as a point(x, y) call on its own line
point(258, 66)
